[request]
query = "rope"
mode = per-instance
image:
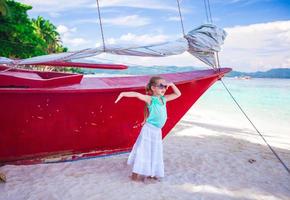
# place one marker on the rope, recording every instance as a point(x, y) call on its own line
point(101, 26)
point(181, 21)
point(273, 151)
point(208, 11)
point(15, 65)
point(217, 61)
point(180, 16)
point(205, 8)
point(9, 68)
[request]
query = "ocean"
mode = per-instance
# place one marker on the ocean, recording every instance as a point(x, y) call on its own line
point(265, 101)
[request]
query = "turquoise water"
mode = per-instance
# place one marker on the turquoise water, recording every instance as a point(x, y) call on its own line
point(265, 101)
point(267, 96)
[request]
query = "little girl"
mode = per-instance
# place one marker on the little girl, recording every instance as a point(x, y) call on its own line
point(146, 156)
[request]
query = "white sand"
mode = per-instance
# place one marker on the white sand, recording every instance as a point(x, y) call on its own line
point(206, 157)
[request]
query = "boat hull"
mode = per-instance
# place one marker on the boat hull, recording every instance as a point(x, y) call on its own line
point(73, 122)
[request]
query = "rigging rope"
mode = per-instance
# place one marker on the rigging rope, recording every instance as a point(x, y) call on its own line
point(180, 16)
point(208, 11)
point(209, 18)
point(210, 21)
point(9, 68)
point(205, 8)
point(217, 61)
point(101, 26)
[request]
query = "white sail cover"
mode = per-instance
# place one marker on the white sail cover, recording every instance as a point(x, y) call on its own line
point(201, 42)
point(204, 41)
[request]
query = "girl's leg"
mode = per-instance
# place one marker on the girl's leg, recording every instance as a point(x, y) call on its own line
point(137, 177)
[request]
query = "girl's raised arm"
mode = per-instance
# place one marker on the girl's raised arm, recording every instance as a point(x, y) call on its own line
point(176, 93)
point(142, 97)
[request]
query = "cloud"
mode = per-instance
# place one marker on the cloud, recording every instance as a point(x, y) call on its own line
point(174, 18)
point(125, 21)
point(148, 4)
point(138, 40)
point(241, 2)
point(130, 20)
point(54, 14)
point(68, 5)
point(143, 39)
point(257, 46)
point(69, 39)
point(62, 29)
point(53, 6)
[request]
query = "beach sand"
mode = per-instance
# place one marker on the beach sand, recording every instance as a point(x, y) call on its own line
point(208, 155)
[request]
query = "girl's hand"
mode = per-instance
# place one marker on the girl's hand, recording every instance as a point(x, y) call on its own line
point(138, 95)
point(176, 92)
point(119, 97)
point(170, 84)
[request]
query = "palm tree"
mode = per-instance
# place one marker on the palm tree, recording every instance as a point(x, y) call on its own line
point(4, 9)
point(54, 40)
point(47, 31)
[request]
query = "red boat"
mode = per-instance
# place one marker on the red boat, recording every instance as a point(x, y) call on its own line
point(52, 116)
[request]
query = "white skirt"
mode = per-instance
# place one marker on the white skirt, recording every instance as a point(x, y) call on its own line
point(146, 156)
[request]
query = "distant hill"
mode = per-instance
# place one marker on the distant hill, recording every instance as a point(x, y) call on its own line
point(133, 70)
point(272, 73)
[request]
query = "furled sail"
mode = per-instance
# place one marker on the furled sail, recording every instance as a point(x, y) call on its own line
point(201, 42)
point(204, 41)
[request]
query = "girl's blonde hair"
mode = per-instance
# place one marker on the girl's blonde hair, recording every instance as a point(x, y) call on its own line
point(153, 81)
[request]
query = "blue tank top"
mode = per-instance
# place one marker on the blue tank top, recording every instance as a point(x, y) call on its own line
point(157, 112)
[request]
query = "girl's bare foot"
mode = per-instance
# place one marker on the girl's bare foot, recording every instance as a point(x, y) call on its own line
point(2, 177)
point(135, 177)
point(154, 178)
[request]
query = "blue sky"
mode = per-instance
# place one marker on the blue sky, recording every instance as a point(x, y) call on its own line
point(258, 30)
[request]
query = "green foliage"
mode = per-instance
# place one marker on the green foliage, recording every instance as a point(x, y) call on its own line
point(47, 32)
point(4, 10)
point(21, 37)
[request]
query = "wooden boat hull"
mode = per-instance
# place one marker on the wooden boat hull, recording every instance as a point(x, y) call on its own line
point(81, 120)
